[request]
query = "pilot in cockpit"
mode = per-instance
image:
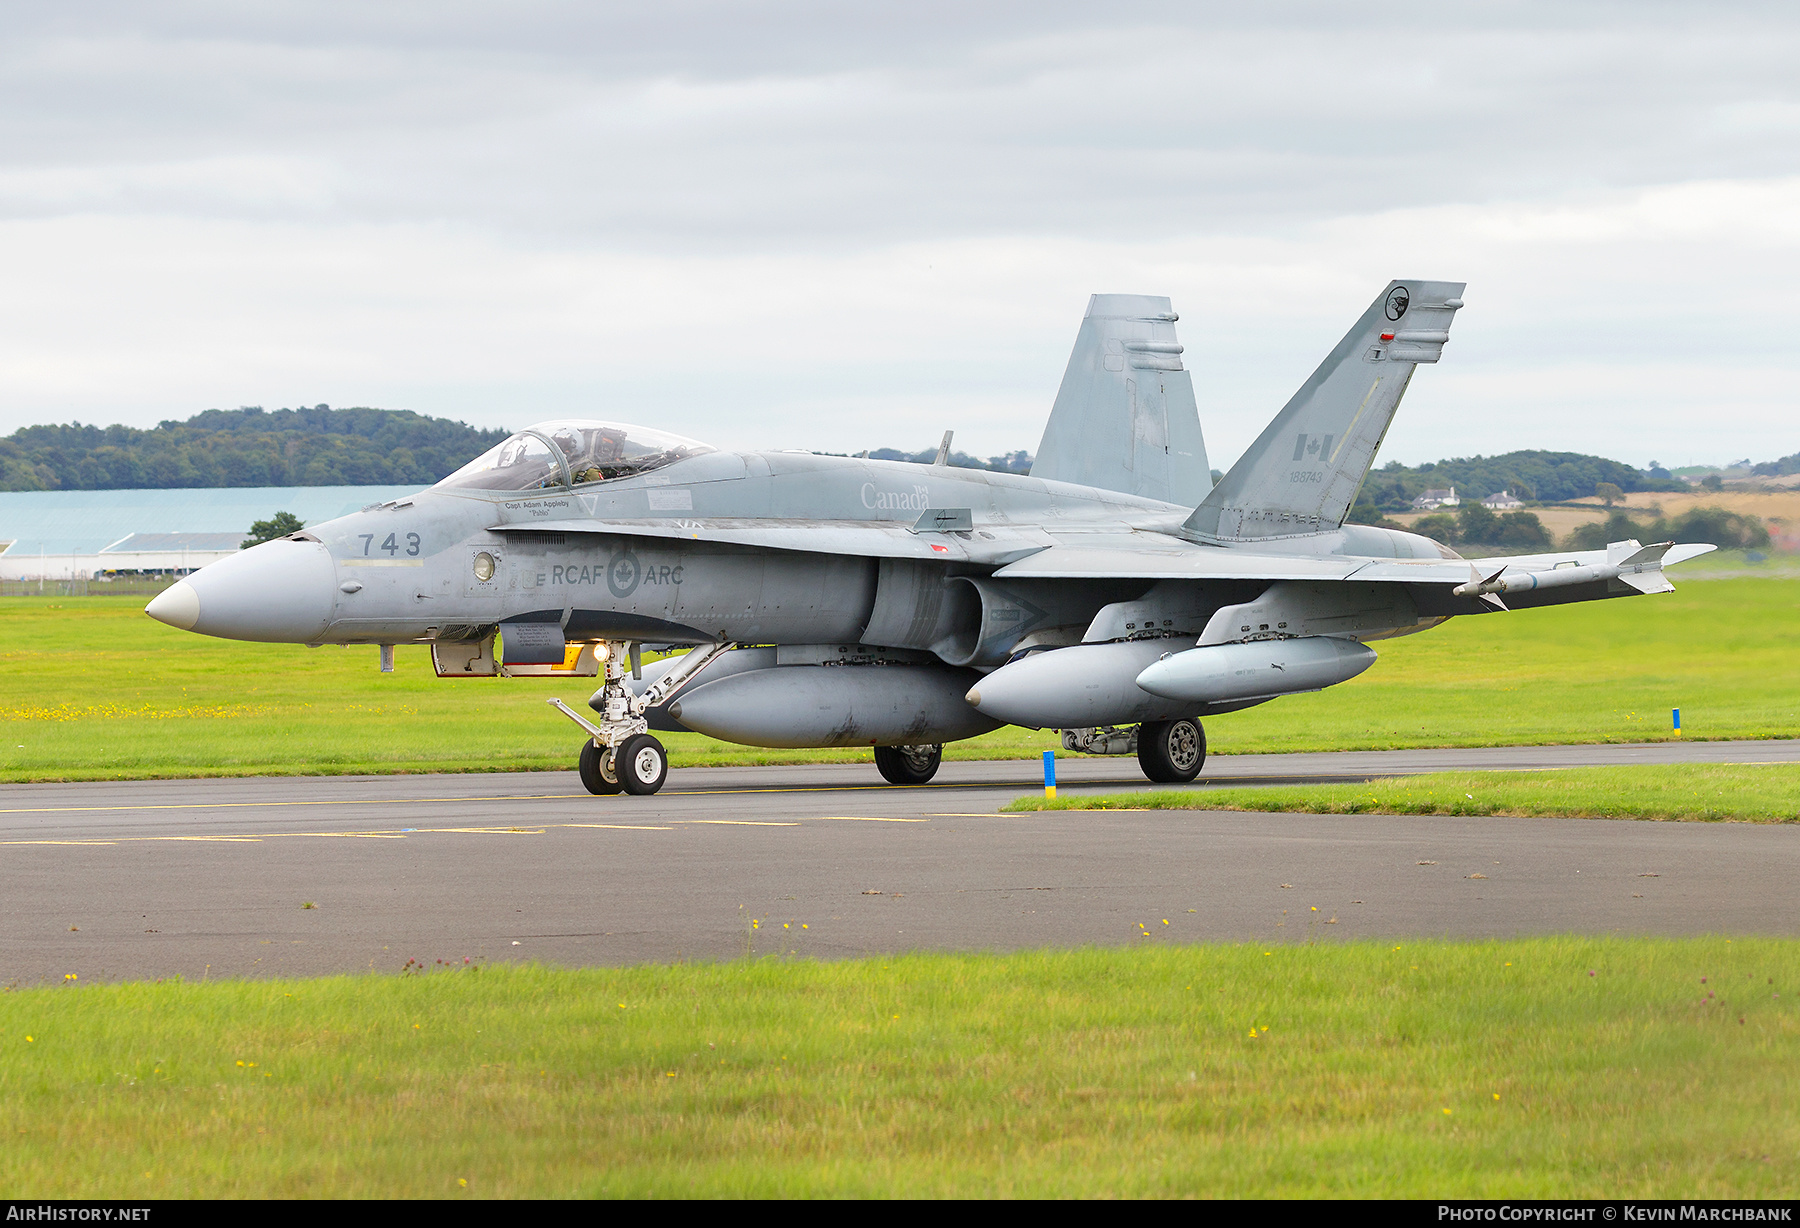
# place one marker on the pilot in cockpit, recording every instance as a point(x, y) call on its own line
point(593, 454)
point(535, 459)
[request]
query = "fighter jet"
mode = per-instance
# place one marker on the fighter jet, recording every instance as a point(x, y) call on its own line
point(1114, 594)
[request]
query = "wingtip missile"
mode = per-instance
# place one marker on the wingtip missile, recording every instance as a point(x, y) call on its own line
point(1640, 567)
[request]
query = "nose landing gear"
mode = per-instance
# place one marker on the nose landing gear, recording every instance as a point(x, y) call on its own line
point(620, 755)
point(598, 775)
point(643, 765)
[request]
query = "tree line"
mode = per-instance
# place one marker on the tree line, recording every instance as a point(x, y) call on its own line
point(320, 446)
point(1533, 476)
point(1724, 529)
point(1778, 468)
point(1010, 462)
point(316, 446)
point(1522, 532)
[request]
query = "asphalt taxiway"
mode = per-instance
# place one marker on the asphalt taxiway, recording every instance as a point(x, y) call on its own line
point(306, 875)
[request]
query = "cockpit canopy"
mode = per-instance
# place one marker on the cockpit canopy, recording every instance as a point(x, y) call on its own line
point(570, 452)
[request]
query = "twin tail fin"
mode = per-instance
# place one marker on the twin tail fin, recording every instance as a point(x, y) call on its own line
point(1302, 473)
point(1125, 418)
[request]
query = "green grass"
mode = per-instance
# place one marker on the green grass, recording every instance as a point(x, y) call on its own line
point(92, 689)
point(1754, 793)
point(1734, 564)
point(1548, 1067)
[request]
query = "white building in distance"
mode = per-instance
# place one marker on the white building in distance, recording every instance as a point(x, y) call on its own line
point(1432, 500)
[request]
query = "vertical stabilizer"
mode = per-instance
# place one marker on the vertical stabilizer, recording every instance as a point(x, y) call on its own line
point(1124, 417)
point(1302, 473)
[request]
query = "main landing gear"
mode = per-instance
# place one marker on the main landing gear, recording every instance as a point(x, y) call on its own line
point(1171, 752)
point(908, 765)
point(620, 755)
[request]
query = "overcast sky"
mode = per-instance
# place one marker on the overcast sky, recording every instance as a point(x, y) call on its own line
point(840, 226)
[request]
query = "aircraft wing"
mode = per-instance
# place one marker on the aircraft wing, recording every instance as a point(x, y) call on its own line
point(875, 539)
point(1030, 553)
point(1638, 566)
point(1634, 565)
point(1178, 562)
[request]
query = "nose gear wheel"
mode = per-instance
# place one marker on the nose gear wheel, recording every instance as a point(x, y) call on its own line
point(596, 768)
point(642, 764)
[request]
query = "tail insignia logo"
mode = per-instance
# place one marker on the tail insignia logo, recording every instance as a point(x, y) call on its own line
point(1312, 447)
point(1398, 300)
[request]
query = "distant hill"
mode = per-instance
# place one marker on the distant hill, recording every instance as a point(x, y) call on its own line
point(1012, 462)
point(1547, 477)
point(320, 446)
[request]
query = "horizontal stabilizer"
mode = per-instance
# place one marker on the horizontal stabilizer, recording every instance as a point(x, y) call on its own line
point(1302, 473)
point(1125, 417)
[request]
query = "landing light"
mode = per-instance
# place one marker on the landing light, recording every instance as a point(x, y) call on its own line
point(484, 567)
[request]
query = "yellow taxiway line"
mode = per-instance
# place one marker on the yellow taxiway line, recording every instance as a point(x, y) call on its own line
point(403, 833)
point(571, 797)
point(356, 801)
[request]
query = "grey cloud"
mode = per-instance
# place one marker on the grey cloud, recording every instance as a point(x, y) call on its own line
point(501, 209)
point(803, 125)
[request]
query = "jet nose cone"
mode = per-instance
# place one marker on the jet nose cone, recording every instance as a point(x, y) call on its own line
point(178, 605)
point(279, 592)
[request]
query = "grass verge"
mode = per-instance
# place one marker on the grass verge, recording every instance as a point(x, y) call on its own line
point(91, 689)
point(1754, 793)
point(1548, 1067)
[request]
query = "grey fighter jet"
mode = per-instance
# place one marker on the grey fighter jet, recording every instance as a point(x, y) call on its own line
point(1114, 594)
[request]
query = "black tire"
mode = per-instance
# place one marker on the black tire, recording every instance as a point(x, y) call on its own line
point(596, 773)
point(642, 764)
point(908, 765)
point(1172, 752)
